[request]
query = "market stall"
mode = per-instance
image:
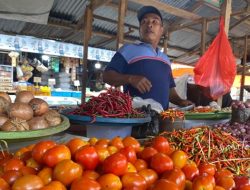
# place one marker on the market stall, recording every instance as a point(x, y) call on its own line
point(122, 142)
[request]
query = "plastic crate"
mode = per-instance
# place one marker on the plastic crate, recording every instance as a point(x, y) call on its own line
point(61, 93)
point(108, 131)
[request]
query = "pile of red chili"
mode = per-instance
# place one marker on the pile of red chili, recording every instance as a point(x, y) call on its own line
point(112, 103)
point(172, 114)
point(203, 144)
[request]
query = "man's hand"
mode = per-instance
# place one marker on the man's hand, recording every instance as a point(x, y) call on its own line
point(140, 83)
point(184, 103)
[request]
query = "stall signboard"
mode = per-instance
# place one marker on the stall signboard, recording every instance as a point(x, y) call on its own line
point(51, 47)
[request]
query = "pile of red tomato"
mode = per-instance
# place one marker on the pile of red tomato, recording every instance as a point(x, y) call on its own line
point(110, 165)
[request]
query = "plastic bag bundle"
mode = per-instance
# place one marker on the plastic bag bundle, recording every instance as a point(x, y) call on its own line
point(216, 69)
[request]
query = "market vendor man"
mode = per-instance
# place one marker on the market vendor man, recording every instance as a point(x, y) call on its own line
point(142, 68)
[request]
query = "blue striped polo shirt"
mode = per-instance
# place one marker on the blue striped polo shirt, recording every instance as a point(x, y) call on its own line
point(142, 59)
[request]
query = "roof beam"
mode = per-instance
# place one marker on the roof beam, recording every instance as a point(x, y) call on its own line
point(98, 33)
point(179, 21)
point(169, 9)
point(110, 39)
point(239, 22)
point(120, 24)
point(198, 21)
point(114, 21)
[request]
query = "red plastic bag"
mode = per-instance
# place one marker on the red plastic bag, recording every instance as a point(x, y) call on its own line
point(216, 69)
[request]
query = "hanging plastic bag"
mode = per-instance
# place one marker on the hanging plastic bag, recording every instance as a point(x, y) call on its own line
point(216, 69)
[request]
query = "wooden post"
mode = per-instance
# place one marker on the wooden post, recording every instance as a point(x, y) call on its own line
point(87, 36)
point(121, 17)
point(203, 36)
point(242, 84)
point(226, 9)
point(165, 43)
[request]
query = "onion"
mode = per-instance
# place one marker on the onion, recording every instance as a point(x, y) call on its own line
point(39, 106)
point(238, 130)
point(38, 123)
point(3, 119)
point(6, 96)
point(15, 125)
point(24, 96)
point(20, 110)
point(53, 118)
point(4, 105)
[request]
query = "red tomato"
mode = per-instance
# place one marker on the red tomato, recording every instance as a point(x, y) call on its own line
point(13, 164)
point(223, 173)
point(112, 149)
point(46, 175)
point(140, 164)
point(147, 153)
point(28, 182)
point(218, 188)
point(130, 154)
point(102, 152)
point(176, 176)
point(245, 187)
point(131, 141)
point(207, 168)
point(109, 182)
point(33, 164)
point(149, 175)
point(161, 144)
point(226, 182)
point(76, 143)
point(116, 164)
point(91, 174)
point(87, 157)
point(28, 170)
point(188, 185)
point(241, 181)
point(179, 158)
point(164, 184)
point(40, 148)
point(54, 185)
point(204, 182)
point(130, 168)
point(5, 155)
point(85, 184)
point(92, 141)
point(11, 176)
point(190, 170)
point(103, 142)
point(3, 162)
point(67, 171)
point(3, 184)
point(117, 142)
point(23, 154)
point(161, 162)
point(56, 154)
point(133, 180)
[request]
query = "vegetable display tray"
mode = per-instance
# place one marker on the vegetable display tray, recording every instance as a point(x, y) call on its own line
point(105, 121)
point(31, 134)
point(207, 116)
point(102, 127)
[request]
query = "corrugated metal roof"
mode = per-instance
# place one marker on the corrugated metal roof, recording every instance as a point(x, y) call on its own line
point(68, 9)
point(184, 39)
point(65, 12)
point(11, 26)
point(174, 53)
